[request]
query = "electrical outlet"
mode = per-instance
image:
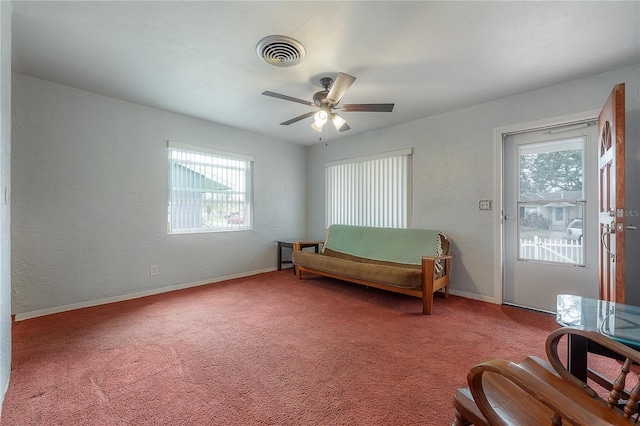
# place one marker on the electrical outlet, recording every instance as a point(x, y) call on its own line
point(153, 270)
point(485, 204)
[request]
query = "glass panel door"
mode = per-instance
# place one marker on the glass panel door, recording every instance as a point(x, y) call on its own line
point(551, 201)
point(550, 226)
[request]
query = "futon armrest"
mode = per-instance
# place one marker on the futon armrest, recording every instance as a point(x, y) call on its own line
point(444, 256)
point(297, 245)
point(436, 266)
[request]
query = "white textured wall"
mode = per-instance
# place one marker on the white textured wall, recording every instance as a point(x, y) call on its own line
point(90, 199)
point(89, 189)
point(5, 207)
point(454, 166)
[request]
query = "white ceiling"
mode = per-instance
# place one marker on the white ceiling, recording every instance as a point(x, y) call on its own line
point(199, 58)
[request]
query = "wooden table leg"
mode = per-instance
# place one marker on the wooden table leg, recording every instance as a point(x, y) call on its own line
point(577, 347)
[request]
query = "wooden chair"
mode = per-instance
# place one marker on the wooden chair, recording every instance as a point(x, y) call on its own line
point(537, 392)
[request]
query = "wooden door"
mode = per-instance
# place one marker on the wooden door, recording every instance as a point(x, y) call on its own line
point(611, 162)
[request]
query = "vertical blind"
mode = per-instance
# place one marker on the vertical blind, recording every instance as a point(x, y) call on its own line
point(369, 191)
point(209, 190)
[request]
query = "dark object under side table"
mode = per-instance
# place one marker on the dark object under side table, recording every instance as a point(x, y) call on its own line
point(289, 244)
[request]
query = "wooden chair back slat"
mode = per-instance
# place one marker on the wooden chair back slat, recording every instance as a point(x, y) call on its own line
point(619, 383)
point(631, 407)
point(537, 392)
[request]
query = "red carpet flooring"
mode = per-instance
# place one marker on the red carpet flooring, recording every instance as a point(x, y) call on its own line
point(262, 350)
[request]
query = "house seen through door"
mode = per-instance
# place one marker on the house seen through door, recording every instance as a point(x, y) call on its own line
point(550, 215)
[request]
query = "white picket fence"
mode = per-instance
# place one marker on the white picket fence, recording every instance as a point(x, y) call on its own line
point(552, 250)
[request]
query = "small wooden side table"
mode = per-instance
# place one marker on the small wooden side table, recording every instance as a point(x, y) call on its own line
point(289, 244)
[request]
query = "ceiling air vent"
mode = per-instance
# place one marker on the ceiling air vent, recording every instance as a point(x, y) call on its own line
point(280, 51)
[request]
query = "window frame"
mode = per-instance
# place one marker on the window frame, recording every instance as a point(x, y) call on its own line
point(224, 181)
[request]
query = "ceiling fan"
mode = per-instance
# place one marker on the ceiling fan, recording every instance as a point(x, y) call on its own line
point(327, 101)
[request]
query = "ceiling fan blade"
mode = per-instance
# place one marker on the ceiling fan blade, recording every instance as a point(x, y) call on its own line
point(298, 118)
point(367, 107)
point(339, 87)
point(287, 98)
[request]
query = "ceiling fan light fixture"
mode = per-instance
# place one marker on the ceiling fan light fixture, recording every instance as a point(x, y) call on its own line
point(280, 51)
point(320, 118)
point(338, 121)
point(317, 127)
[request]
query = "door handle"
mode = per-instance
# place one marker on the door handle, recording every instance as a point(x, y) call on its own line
point(631, 228)
point(608, 229)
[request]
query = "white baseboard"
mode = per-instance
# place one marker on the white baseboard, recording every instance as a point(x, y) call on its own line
point(474, 296)
point(57, 309)
point(130, 296)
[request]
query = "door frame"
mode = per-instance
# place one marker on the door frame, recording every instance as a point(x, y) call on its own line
point(499, 135)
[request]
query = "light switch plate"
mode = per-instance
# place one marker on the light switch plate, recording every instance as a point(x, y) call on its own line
point(485, 204)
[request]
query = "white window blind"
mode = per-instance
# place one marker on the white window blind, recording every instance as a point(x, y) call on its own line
point(369, 191)
point(209, 190)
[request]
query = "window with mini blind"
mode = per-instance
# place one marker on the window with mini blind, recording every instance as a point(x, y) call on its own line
point(209, 190)
point(370, 191)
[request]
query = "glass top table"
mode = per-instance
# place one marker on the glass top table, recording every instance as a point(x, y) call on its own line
point(615, 320)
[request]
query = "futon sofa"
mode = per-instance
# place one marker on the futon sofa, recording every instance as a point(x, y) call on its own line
point(415, 262)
